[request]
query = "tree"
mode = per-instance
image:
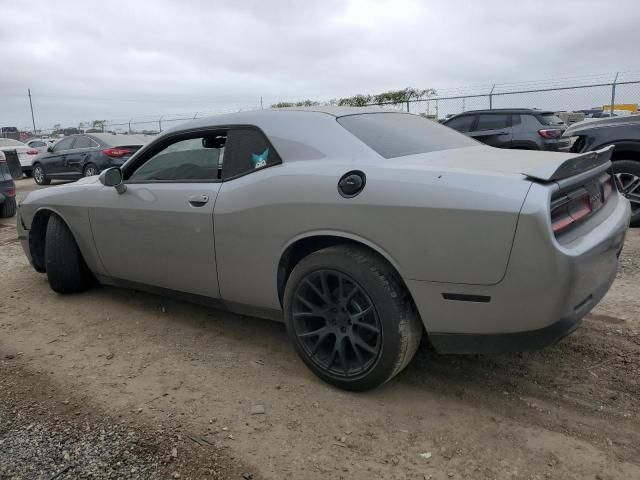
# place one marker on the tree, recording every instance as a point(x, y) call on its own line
point(99, 124)
point(355, 101)
point(303, 103)
point(392, 97)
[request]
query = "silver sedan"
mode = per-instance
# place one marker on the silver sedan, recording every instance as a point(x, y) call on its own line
point(362, 229)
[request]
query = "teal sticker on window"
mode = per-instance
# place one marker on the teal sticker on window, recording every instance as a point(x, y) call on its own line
point(260, 160)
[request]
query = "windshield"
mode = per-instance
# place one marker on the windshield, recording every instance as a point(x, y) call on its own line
point(550, 119)
point(8, 142)
point(399, 134)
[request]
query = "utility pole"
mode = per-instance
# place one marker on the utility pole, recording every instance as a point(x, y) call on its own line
point(613, 94)
point(261, 107)
point(32, 117)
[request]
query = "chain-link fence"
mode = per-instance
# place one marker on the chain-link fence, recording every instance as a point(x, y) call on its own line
point(588, 93)
point(156, 124)
point(570, 94)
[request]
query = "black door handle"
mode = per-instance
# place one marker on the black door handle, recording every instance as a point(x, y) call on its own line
point(198, 200)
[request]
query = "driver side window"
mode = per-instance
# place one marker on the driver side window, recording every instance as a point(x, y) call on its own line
point(197, 158)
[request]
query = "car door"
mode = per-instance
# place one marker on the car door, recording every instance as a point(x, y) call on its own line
point(247, 269)
point(54, 163)
point(79, 155)
point(493, 129)
point(159, 232)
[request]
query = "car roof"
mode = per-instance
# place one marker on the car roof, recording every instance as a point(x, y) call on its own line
point(119, 139)
point(508, 110)
point(338, 111)
point(298, 133)
point(114, 139)
point(275, 115)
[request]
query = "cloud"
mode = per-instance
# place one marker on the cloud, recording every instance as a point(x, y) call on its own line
point(122, 59)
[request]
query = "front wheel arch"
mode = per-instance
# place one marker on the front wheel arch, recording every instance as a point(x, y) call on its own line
point(38, 234)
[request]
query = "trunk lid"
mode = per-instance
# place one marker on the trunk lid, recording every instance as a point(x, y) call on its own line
point(533, 164)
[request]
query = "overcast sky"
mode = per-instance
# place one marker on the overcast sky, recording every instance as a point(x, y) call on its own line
point(85, 60)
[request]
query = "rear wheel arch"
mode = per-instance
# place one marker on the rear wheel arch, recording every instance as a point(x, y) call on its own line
point(301, 247)
point(626, 152)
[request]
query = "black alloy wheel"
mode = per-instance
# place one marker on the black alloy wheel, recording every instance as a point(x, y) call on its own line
point(337, 323)
point(350, 317)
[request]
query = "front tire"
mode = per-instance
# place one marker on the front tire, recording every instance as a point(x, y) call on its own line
point(8, 208)
point(350, 318)
point(627, 175)
point(66, 270)
point(40, 176)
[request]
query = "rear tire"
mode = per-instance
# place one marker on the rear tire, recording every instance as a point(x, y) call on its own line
point(40, 176)
point(8, 208)
point(66, 270)
point(365, 338)
point(627, 174)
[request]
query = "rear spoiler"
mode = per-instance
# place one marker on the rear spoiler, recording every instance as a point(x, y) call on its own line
point(575, 165)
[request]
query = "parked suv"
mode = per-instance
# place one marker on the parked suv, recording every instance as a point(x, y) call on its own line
point(7, 190)
point(523, 128)
point(79, 156)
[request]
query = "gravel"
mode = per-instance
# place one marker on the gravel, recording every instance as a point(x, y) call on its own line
point(47, 435)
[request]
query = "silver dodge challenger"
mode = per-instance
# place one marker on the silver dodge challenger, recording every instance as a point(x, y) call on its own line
point(362, 229)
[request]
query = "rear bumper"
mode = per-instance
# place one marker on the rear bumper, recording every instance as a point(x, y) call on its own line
point(519, 341)
point(548, 288)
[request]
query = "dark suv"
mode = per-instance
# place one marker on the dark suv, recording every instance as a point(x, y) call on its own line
point(523, 128)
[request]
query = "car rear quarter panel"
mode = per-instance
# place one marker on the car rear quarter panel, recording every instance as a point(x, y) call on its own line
point(429, 223)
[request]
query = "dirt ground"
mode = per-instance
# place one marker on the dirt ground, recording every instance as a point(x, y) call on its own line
point(172, 370)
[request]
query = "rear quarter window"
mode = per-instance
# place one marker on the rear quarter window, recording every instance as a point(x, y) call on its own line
point(394, 135)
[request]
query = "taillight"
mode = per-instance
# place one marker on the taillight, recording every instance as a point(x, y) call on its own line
point(607, 188)
point(550, 133)
point(11, 192)
point(116, 152)
point(569, 209)
point(32, 151)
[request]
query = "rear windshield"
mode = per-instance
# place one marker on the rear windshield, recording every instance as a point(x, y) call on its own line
point(399, 134)
point(550, 119)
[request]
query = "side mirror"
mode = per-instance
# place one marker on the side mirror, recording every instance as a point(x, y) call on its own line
point(112, 177)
